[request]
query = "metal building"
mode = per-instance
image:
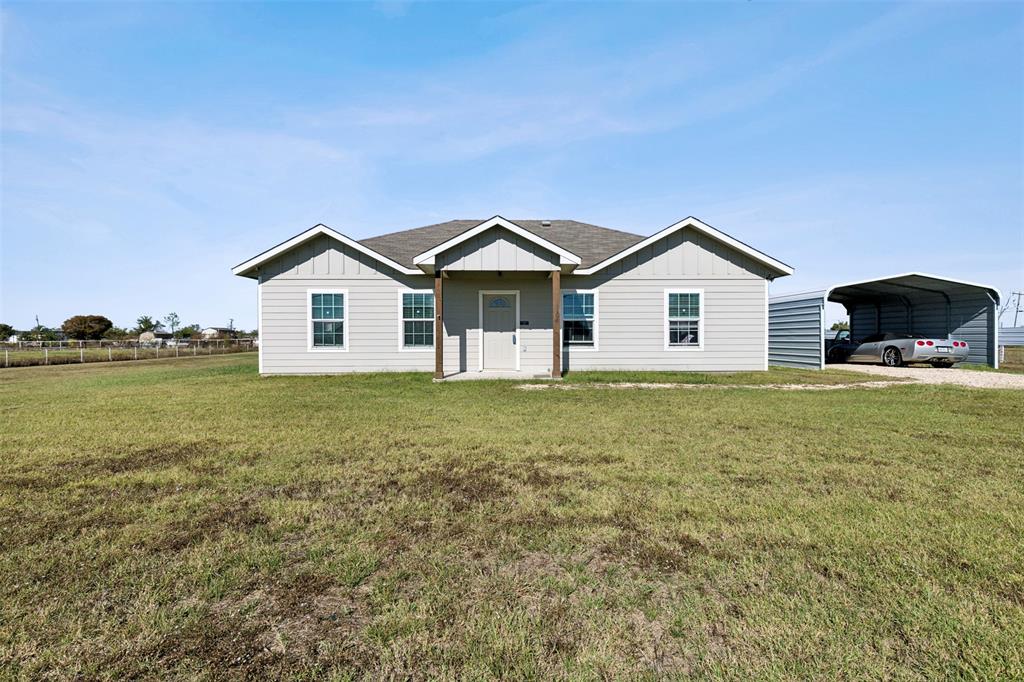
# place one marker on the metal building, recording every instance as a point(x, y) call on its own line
point(913, 302)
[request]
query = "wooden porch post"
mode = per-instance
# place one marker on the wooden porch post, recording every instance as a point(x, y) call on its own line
point(556, 324)
point(438, 328)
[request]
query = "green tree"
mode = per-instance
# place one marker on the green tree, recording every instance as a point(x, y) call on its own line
point(117, 333)
point(86, 327)
point(172, 320)
point(837, 326)
point(42, 333)
point(6, 331)
point(145, 323)
point(191, 331)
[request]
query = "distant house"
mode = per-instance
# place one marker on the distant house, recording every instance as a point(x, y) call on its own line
point(218, 333)
point(154, 336)
point(526, 297)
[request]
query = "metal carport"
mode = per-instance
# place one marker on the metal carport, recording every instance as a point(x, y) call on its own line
point(913, 302)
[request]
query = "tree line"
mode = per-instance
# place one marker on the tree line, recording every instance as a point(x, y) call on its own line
point(96, 327)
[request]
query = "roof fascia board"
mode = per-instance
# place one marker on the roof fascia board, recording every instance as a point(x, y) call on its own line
point(427, 257)
point(316, 230)
point(700, 226)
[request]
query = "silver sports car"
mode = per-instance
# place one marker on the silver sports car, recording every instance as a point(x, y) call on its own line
point(894, 350)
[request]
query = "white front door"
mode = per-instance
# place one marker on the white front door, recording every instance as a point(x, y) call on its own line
point(499, 322)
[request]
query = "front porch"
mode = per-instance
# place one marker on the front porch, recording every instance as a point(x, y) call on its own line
point(497, 325)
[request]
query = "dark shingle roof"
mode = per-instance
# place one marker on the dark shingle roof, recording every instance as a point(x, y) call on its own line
point(591, 243)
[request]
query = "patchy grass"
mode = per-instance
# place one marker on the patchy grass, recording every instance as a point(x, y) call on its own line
point(190, 519)
point(1013, 362)
point(774, 375)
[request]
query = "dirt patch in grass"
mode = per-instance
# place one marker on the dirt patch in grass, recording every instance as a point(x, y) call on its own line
point(182, 533)
point(301, 625)
point(636, 549)
point(462, 486)
point(469, 484)
point(60, 474)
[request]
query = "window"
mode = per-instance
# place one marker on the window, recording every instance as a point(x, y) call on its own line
point(327, 320)
point(684, 326)
point(579, 315)
point(417, 319)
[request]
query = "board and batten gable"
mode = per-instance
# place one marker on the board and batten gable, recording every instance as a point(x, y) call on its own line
point(631, 308)
point(495, 250)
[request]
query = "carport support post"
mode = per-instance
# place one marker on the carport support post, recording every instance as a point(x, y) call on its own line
point(556, 324)
point(438, 328)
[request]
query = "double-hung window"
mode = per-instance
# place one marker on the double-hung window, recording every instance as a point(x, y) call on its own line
point(417, 320)
point(684, 326)
point(579, 319)
point(327, 316)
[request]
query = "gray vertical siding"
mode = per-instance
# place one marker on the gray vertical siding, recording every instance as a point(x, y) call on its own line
point(630, 310)
point(795, 326)
point(497, 250)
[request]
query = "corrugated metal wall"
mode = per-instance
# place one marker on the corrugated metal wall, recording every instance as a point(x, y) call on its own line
point(795, 322)
point(969, 318)
point(1011, 336)
point(795, 329)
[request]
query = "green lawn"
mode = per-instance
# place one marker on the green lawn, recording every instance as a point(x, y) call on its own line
point(190, 519)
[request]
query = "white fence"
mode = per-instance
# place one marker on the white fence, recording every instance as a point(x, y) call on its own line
point(28, 353)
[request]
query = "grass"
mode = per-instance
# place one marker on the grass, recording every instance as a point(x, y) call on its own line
point(1013, 362)
point(190, 519)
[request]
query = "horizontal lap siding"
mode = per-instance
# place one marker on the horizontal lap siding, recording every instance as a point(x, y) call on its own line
point(372, 328)
point(631, 308)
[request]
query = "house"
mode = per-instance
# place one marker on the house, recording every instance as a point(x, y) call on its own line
point(155, 336)
point(218, 333)
point(534, 297)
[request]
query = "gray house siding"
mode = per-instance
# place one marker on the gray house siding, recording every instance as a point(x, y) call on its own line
point(630, 324)
point(372, 327)
point(631, 308)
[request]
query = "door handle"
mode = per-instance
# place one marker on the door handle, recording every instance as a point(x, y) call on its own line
point(513, 339)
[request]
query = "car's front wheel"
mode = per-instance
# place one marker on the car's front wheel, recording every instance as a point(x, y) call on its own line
point(891, 357)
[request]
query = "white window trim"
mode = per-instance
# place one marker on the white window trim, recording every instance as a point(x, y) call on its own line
point(700, 320)
point(519, 335)
point(402, 348)
point(561, 332)
point(309, 322)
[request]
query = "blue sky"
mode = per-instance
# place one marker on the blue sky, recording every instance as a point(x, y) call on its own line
point(147, 148)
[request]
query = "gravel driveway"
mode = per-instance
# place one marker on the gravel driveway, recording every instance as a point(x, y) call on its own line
point(932, 375)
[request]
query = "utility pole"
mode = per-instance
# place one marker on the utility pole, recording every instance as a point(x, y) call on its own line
point(1016, 309)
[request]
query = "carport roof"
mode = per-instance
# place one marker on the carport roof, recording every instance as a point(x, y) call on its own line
point(893, 285)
